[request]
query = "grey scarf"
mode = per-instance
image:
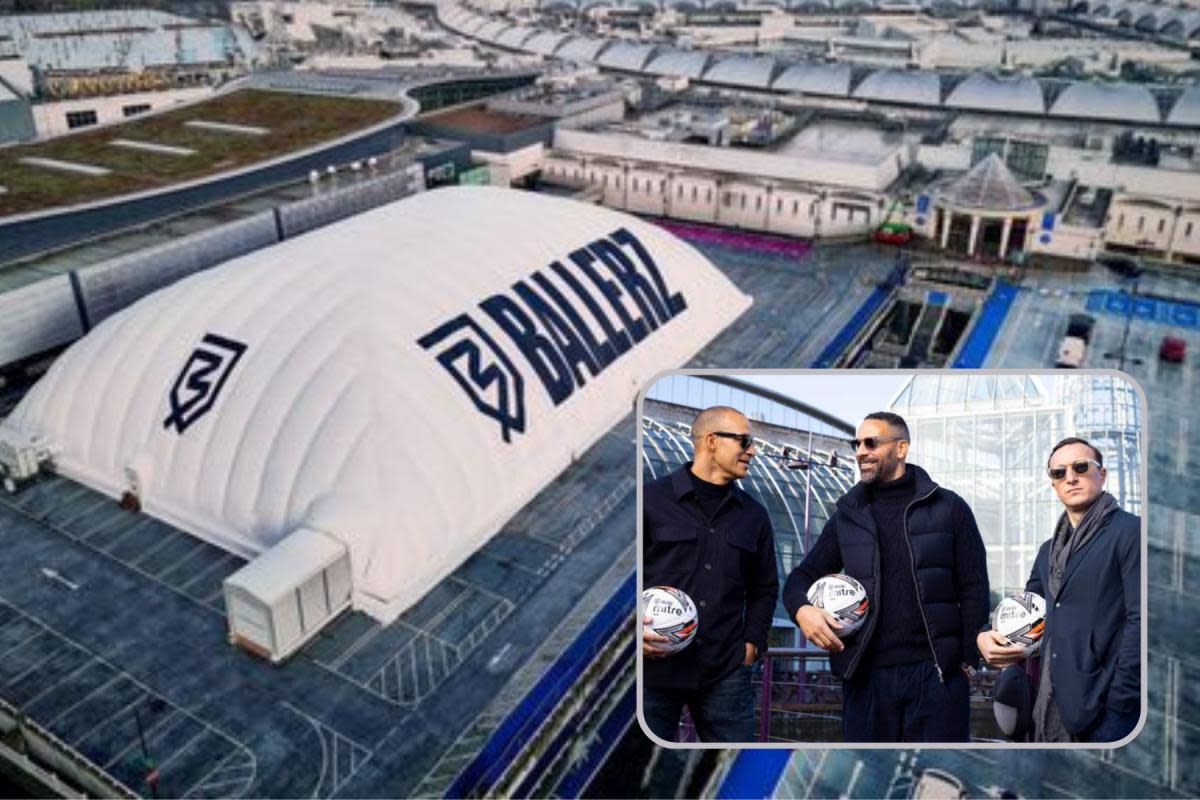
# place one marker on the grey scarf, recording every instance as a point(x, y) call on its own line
point(1066, 542)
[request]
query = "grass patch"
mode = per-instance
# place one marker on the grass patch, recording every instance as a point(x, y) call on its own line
point(296, 121)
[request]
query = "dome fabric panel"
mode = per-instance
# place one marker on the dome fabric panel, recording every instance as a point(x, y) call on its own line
point(404, 380)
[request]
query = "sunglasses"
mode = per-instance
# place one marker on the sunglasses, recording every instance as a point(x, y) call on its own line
point(871, 442)
point(744, 440)
point(1080, 467)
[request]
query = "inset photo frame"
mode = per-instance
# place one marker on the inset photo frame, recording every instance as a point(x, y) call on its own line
point(835, 558)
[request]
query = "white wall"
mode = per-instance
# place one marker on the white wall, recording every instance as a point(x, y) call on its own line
point(1187, 235)
point(514, 165)
point(793, 211)
point(775, 166)
point(700, 196)
point(647, 191)
point(1066, 241)
point(1138, 224)
point(50, 119)
point(944, 156)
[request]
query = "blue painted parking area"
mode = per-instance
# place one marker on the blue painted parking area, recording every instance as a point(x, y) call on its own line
point(1180, 313)
point(754, 773)
point(991, 318)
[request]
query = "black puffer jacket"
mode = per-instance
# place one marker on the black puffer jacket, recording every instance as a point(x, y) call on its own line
point(941, 530)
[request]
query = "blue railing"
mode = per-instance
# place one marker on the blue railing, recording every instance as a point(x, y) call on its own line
point(859, 321)
point(995, 309)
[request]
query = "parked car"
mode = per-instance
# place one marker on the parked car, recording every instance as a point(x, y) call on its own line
point(1071, 351)
point(1080, 326)
point(1122, 264)
point(1172, 349)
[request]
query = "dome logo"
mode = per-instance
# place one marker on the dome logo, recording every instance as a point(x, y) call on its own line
point(570, 321)
point(200, 381)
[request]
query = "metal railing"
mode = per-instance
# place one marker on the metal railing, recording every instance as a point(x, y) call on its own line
point(797, 699)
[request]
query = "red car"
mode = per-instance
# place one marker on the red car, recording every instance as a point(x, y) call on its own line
point(1172, 349)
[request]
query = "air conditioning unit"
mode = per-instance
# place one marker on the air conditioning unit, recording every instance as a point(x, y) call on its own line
point(21, 457)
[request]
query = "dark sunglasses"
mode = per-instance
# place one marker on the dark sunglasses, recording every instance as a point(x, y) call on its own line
point(871, 442)
point(744, 440)
point(1080, 467)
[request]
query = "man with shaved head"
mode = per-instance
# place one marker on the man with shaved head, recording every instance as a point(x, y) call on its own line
point(915, 548)
point(704, 535)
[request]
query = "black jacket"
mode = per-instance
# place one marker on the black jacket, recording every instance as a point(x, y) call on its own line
point(1093, 625)
point(940, 526)
point(726, 567)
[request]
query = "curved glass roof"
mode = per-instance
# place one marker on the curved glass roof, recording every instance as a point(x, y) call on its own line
point(582, 48)
point(900, 86)
point(1125, 102)
point(546, 42)
point(473, 23)
point(991, 93)
point(924, 394)
point(749, 71)
point(491, 30)
point(827, 79)
point(1186, 110)
point(515, 36)
point(1181, 24)
point(627, 56)
point(681, 63)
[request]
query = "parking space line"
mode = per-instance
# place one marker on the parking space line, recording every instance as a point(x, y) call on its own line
point(106, 522)
point(204, 572)
point(184, 747)
point(120, 674)
point(199, 547)
point(166, 540)
point(17, 678)
point(808, 792)
point(149, 732)
point(79, 740)
point(368, 635)
point(1181, 450)
point(471, 586)
point(20, 644)
point(102, 552)
point(85, 698)
point(191, 789)
point(87, 663)
point(1179, 555)
point(86, 511)
point(112, 544)
point(858, 768)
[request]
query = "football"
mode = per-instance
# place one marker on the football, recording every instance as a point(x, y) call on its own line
point(1021, 618)
point(672, 614)
point(844, 598)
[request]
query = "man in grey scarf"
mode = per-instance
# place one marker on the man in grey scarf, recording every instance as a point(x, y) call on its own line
point(1090, 576)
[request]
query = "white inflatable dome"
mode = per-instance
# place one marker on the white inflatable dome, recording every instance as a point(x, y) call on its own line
point(404, 380)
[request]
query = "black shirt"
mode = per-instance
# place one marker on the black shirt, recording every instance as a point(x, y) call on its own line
point(900, 636)
point(725, 561)
point(710, 496)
